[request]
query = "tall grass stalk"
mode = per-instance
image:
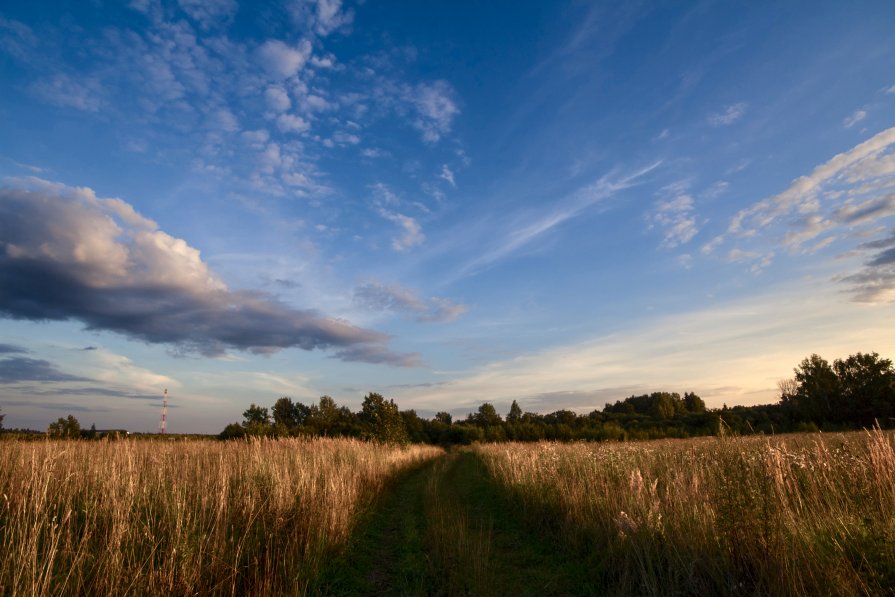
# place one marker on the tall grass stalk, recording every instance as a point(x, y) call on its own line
point(205, 517)
point(794, 515)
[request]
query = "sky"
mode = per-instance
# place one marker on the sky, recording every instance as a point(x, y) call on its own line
point(448, 203)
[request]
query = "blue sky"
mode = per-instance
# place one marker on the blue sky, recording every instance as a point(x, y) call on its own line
point(448, 203)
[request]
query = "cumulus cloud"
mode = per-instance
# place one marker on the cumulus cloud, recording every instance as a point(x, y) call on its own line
point(435, 109)
point(291, 123)
point(729, 115)
point(282, 61)
point(66, 254)
point(330, 16)
point(394, 298)
point(277, 98)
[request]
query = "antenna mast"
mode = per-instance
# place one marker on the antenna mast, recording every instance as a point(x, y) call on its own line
point(163, 423)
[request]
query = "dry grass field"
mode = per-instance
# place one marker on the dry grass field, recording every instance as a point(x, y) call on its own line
point(801, 514)
point(178, 517)
point(792, 515)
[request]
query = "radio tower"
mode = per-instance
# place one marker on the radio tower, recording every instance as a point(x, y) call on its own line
point(163, 423)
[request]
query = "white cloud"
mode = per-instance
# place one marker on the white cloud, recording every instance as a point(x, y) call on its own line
point(330, 16)
point(855, 165)
point(282, 61)
point(291, 123)
point(222, 119)
point(316, 103)
point(676, 218)
point(412, 231)
point(675, 215)
point(716, 189)
point(738, 256)
point(854, 118)
point(837, 202)
point(523, 231)
point(83, 93)
point(709, 247)
point(436, 109)
point(395, 298)
point(277, 98)
point(346, 138)
point(447, 175)
point(256, 139)
point(729, 115)
point(210, 13)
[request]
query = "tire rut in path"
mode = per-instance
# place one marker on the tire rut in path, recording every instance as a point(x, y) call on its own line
point(387, 555)
point(502, 555)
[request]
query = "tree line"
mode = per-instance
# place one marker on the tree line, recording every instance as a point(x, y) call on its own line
point(850, 393)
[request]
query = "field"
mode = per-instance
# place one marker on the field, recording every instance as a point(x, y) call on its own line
point(788, 515)
point(203, 517)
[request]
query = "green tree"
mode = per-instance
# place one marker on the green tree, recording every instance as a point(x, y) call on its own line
point(444, 418)
point(232, 431)
point(381, 419)
point(1, 419)
point(67, 427)
point(818, 390)
point(414, 425)
point(693, 403)
point(288, 416)
point(256, 420)
point(515, 414)
point(487, 416)
point(663, 405)
point(866, 389)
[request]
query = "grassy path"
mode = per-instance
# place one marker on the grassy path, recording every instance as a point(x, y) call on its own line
point(445, 529)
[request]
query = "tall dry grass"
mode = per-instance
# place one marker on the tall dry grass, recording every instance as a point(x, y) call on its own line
point(205, 517)
point(796, 515)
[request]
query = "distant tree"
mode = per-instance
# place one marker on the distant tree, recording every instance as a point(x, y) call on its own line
point(324, 416)
point(1, 418)
point(288, 415)
point(256, 420)
point(515, 414)
point(444, 418)
point(414, 425)
point(663, 405)
point(67, 427)
point(818, 390)
point(487, 416)
point(866, 389)
point(693, 403)
point(381, 419)
point(232, 431)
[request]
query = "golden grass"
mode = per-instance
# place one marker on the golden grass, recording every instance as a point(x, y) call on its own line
point(204, 517)
point(794, 515)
